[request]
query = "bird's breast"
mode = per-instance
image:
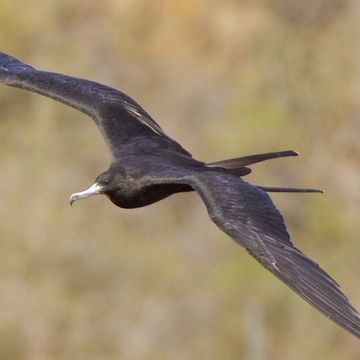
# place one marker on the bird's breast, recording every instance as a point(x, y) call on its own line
point(131, 196)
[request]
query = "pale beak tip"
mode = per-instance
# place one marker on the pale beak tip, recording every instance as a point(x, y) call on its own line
point(93, 190)
point(71, 200)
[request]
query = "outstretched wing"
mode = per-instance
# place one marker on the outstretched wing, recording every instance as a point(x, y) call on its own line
point(118, 117)
point(247, 214)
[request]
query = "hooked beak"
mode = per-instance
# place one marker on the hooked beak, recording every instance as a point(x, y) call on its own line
point(92, 190)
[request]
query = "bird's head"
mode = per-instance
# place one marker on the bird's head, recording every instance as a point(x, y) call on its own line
point(106, 183)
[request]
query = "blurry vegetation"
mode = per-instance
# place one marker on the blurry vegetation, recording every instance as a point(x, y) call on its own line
point(225, 79)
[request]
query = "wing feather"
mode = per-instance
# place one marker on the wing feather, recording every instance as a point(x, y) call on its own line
point(118, 116)
point(247, 214)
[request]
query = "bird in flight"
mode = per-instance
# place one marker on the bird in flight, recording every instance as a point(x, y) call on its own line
point(147, 166)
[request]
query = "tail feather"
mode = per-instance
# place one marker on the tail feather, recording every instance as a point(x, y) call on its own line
point(288, 190)
point(238, 167)
point(236, 163)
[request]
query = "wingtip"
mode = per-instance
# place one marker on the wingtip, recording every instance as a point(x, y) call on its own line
point(10, 65)
point(293, 153)
point(318, 191)
point(288, 153)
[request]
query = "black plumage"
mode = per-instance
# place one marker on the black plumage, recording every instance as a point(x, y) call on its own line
point(147, 166)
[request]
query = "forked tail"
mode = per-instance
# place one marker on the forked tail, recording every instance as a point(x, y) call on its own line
point(238, 167)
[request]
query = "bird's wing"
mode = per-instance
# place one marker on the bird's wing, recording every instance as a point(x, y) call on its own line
point(247, 214)
point(118, 117)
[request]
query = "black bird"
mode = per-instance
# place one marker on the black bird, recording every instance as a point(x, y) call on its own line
point(147, 166)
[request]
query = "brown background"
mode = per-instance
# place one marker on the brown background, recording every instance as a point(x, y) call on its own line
point(226, 79)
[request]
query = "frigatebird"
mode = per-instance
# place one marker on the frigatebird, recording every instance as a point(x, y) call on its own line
point(147, 166)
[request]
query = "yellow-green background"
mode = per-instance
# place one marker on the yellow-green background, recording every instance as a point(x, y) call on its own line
point(225, 78)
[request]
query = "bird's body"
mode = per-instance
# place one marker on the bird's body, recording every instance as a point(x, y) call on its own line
point(147, 166)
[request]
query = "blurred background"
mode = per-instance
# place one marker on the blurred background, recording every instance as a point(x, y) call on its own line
point(225, 79)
